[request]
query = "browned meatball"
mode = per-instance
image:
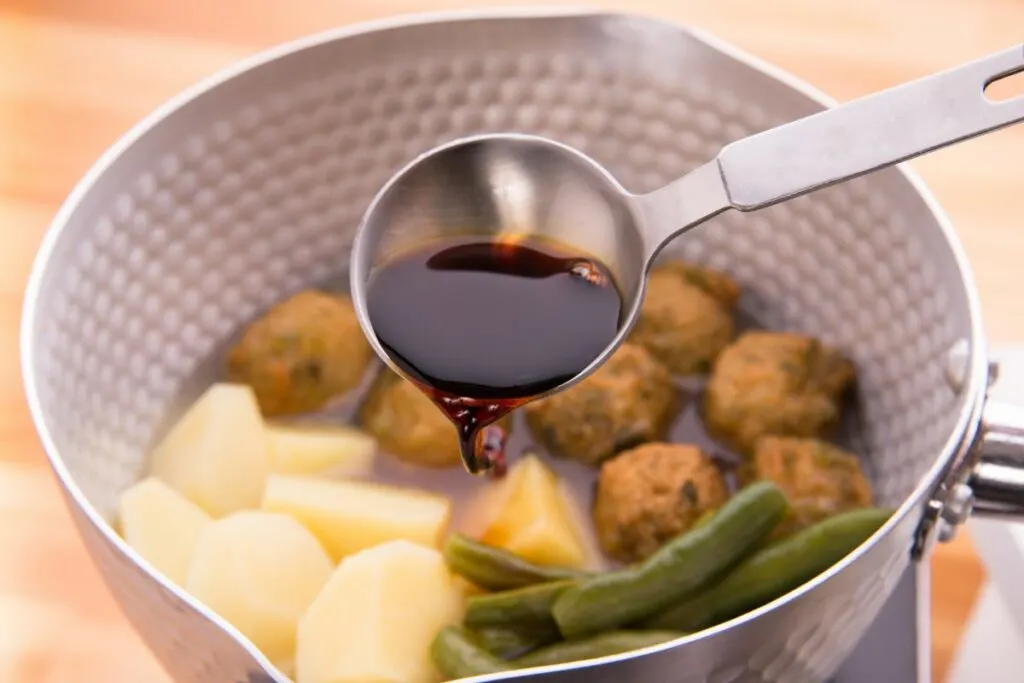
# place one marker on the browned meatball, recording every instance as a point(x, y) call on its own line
point(818, 478)
point(723, 288)
point(628, 401)
point(686, 319)
point(301, 353)
point(650, 494)
point(408, 425)
point(775, 383)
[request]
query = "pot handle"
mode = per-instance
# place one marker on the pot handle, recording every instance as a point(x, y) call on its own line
point(998, 478)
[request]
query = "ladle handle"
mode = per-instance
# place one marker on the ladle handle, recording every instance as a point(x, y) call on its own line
point(866, 134)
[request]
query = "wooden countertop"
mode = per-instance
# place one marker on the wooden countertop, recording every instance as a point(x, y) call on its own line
point(74, 75)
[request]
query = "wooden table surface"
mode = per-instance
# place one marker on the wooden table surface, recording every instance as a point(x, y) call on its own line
point(74, 74)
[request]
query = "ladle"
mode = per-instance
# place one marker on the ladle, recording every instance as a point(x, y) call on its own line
point(513, 183)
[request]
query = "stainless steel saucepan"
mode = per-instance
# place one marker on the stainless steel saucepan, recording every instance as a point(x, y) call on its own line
point(250, 186)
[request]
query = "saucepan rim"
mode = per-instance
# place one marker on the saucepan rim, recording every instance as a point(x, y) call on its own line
point(959, 440)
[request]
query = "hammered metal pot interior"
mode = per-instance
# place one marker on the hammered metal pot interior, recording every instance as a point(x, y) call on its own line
point(250, 190)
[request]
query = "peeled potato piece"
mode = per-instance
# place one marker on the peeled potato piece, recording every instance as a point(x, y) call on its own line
point(259, 571)
point(534, 520)
point(375, 619)
point(162, 526)
point(349, 516)
point(217, 455)
point(340, 451)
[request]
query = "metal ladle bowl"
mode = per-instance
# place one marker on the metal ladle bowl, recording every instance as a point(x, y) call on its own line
point(502, 184)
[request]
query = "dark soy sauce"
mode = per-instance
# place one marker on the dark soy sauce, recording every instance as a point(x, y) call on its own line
point(484, 326)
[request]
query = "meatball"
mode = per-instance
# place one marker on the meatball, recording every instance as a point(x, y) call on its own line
point(628, 401)
point(301, 353)
point(650, 494)
point(818, 478)
point(714, 282)
point(686, 318)
point(408, 425)
point(775, 383)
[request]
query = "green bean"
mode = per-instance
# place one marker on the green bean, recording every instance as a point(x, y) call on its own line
point(774, 571)
point(456, 651)
point(520, 607)
point(496, 569)
point(509, 643)
point(681, 567)
point(455, 655)
point(601, 645)
point(706, 517)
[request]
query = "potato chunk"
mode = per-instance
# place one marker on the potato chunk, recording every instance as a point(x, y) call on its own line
point(533, 519)
point(259, 571)
point(349, 516)
point(162, 526)
point(375, 619)
point(217, 455)
point(340, 451)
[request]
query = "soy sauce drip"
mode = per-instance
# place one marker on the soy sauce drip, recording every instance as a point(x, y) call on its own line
point(484, 326)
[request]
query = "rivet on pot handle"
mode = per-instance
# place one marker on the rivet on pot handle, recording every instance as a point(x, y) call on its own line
point(998, 479)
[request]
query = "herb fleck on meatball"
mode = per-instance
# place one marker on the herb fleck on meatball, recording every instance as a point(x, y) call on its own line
point(301, 353)
point(775, 383)
point(686, 318)
point(650, 494)
point(628, 401)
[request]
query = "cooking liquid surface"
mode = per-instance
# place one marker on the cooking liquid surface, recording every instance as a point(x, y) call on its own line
point(484, 326)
